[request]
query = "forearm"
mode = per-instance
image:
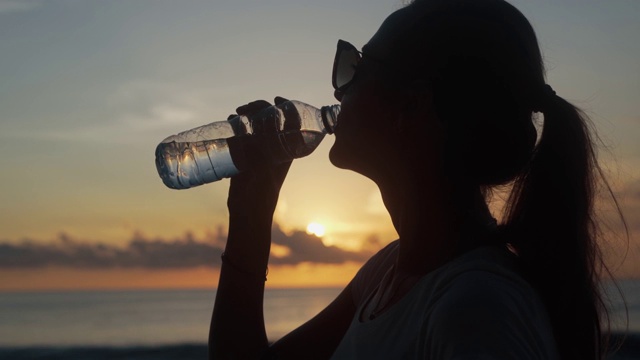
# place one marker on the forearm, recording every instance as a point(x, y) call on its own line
point(237, 324)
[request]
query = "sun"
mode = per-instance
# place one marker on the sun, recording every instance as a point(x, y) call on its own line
point(315, 229)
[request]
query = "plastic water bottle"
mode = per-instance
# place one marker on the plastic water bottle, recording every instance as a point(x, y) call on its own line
point(223, 149)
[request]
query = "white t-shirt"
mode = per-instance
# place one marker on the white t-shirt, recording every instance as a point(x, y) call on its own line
point(474, 307)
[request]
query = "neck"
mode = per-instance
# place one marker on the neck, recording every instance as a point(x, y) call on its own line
point(435, 223)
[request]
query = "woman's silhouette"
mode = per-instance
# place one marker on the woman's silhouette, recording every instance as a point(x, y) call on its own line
point(438, 110)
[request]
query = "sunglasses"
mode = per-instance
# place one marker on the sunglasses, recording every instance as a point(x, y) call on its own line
point(344, 65)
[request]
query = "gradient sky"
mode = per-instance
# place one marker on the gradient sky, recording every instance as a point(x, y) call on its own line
point(88, 88)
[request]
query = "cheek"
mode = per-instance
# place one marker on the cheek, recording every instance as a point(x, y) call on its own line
point(363, 125)
point(364, 107)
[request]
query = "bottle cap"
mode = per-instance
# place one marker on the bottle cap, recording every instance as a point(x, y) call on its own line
point(330, 117)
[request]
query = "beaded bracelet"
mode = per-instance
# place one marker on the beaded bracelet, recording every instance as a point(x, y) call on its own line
point(259, 277)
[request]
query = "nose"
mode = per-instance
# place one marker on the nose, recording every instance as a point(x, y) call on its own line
point(338, 95)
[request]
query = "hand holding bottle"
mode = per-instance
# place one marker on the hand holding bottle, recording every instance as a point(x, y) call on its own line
point(237, 318)
point(256, 190)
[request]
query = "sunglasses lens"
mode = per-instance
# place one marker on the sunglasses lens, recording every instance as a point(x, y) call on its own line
point(345, 67)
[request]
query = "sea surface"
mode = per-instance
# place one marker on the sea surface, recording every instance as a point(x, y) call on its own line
point(174, 324)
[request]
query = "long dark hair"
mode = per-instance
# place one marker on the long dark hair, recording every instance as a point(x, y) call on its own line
point(483, 59)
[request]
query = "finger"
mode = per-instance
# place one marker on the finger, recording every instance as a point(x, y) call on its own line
point(252, 107)
point(279, 100)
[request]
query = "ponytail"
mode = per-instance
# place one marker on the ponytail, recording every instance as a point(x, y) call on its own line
point(487, 71)
point(550, 223)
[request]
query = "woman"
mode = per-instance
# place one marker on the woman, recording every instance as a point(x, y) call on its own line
point(450, 87)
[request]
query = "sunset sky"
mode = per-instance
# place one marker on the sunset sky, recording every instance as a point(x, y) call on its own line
point(88, 88)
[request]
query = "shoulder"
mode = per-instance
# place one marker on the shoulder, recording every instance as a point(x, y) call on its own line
point(372, 272)
point(483, 295)
point(489, 311)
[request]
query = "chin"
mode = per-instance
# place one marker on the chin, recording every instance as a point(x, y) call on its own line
point(338, 158)
point(346, 158)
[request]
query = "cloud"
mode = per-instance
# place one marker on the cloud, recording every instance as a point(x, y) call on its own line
point(309, 248)
point(133, 112)
point(140, 252)
point(159, 253)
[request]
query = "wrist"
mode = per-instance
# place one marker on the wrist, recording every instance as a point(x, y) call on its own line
point(251, 274)
point(248, 243)
point(250, 225)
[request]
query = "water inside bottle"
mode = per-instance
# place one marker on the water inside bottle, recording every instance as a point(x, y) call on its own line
point(182, 165)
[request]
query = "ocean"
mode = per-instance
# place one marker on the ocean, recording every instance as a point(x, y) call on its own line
point(173, 324)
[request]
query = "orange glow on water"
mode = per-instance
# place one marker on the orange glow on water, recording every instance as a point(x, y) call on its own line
point(303, 275)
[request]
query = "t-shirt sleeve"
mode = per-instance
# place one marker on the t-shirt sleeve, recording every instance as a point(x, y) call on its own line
point(485, 316)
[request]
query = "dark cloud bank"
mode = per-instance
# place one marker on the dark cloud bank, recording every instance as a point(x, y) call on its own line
point(158, 253)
